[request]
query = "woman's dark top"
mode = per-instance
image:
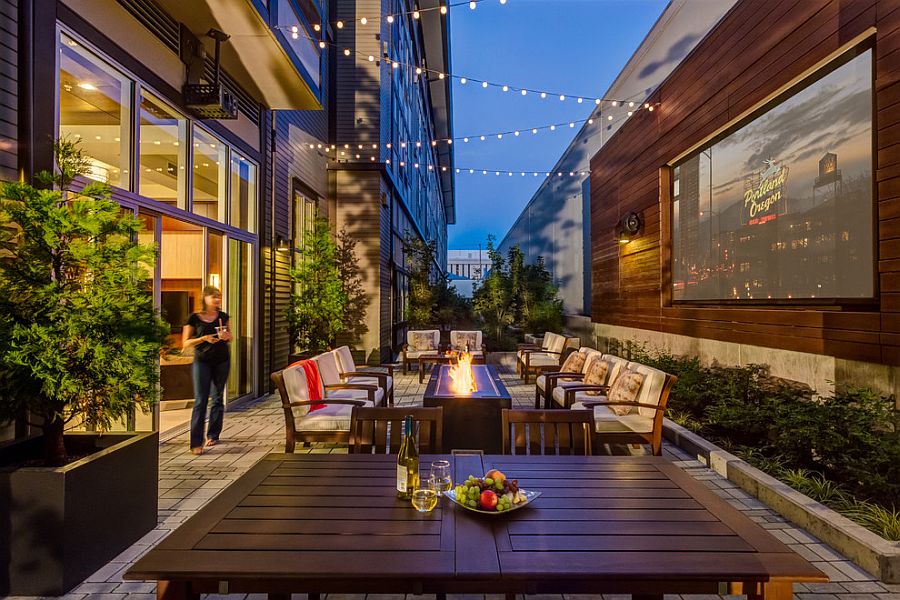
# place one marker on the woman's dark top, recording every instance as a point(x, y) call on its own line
point(209, 353)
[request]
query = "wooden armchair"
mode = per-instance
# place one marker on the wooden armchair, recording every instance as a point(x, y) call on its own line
point(350, 373)
point(547, 431)
point(380, 430)
point(538, 361)
point(555, 396)
point(643, 424)
point(328, 424)
point(427, 341)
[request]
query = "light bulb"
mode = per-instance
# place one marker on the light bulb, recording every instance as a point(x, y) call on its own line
point(340, 24)
point(471, 171)
point(562, 97)
point(363, 21)
point(346, 51)
point(543, 94)
point(434, 142)
point(390, 18)
point(473, 4)
point(443, 10)
point(499, 136)
point(571, 124)
point(524, 92)
point(646, 105)
point(609, 117)
point(516, 133)
point(418, 144)
point(553, 128)
point(534, 131)
point(505, 88)
point(403, 144)
point(650, 108)
point(294, 29)
point(590, 121)
point(484, 84)
point(597, 101)
point(631, 104)
point(580, 100)
point(466, 140)
point(440, 75)
point(295, 36)
point(463, 80)
point(415, 14)
point(317, 27)
point(482, 138)
point(371, 58)
point(449, 142)
point(321, 44)
point(395, 64)
point(629, 113)
point(418, 70)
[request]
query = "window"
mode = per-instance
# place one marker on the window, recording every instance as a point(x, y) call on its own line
point(210, 158)
point(95, 109)
point(162, 174)
point(304, 217)
point(243, 192)
point(784, 201)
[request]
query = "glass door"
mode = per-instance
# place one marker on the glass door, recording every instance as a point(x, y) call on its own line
point(239, 307)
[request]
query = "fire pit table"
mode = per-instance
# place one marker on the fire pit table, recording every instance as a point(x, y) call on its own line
point(427, 361)
point(471, 421)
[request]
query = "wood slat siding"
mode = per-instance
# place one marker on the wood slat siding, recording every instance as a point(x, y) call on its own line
point(9, 95)
point(758, 47)
point(358, 81)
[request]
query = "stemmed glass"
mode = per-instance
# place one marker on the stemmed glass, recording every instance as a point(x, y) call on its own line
point(440, 472)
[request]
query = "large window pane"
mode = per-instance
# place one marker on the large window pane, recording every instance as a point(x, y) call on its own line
point(94, 108)
point(782, 207)
point(210, 156)
point(243, 192)
point(162, 153)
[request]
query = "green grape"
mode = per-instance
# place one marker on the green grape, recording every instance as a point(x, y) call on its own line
point(489, 480)
point(498, 486)
point(473, 503)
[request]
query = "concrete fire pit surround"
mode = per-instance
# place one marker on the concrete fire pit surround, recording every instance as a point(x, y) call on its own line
point(865, 548)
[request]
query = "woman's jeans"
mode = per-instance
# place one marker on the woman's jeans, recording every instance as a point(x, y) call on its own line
point(208, 379)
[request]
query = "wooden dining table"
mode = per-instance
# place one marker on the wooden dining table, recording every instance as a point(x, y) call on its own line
point(331, 523)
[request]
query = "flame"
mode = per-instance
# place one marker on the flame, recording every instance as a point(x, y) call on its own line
point(461, 376)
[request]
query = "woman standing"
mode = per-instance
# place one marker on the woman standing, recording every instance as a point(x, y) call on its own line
point(207, 331)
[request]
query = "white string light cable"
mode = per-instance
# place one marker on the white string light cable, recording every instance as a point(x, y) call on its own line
point(296, 33)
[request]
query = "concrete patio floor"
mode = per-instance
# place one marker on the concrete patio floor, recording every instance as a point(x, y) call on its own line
point(187, 482)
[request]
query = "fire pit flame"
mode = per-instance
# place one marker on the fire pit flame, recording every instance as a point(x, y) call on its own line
point(461, 376)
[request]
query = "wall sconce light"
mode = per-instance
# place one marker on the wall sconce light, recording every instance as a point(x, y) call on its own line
point(281, 244)
point(628, 228)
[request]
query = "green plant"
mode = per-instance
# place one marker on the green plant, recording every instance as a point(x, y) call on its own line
point(316, 311)
point(492, 299)
point(420, 258)
point(79, 335)
point(355, 297)
point(882, 520)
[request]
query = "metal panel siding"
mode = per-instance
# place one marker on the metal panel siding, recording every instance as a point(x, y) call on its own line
point(9, 95)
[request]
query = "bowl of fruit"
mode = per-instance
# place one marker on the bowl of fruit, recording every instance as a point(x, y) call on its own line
point(492, 494)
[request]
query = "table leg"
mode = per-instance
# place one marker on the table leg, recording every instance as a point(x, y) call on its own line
point(777, 590)
point(421, 370)
point(175, 590)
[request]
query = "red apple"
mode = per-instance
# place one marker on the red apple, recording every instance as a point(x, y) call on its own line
point(488, 500)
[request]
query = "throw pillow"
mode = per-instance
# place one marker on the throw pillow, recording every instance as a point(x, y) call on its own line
point(596, 374)
point(574, 363)
point(466, 337)
point(421, 340)
point(625, 389)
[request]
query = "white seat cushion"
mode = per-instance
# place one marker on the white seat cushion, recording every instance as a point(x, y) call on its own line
point(418, 353)
point(355, 395)
point(333, 417)
point(559, 395)
point(543, 359)
point(606, 421)
point(370, 381)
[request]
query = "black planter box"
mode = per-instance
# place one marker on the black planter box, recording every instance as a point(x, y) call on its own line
point(59, 525)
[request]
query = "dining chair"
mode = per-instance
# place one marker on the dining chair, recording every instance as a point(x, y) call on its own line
point(380, 430)
point(547, 431)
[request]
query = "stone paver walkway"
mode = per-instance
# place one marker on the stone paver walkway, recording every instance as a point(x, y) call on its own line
point(187, 482)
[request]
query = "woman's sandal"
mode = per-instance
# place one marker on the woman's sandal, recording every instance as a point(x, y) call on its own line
point(211, 442)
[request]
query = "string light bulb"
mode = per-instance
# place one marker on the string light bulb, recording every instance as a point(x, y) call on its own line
point(340, 24)
point(390, 18)
point(363, 21)
point(562, 97)
point(346, 51)
point(650, 108)
point(505, 88)
point(322, 44)
point(580, 100)
point(484, 84)
point(463, 80)
point(415, 14)
point(473, 4)
point(317, 27)
point(371, 58)
point(443, 9)
point(543, 95)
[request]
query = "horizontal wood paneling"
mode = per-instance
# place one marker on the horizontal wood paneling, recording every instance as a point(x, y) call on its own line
point(9, 97)
point(758, 47)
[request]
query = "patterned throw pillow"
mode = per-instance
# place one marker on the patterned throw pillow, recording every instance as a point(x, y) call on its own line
point(466, 337)
point(596, 374)
point(574, 363)
point(422, 340)
point(625, 389)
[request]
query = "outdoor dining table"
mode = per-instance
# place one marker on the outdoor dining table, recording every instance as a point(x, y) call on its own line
point(326, 523)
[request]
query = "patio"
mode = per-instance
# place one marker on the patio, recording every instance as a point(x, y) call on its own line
point(188, 482)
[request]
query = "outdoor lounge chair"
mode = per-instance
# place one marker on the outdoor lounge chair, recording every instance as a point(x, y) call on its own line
point(330, 373)
point(475, 340)
point(544, 384)
point(350, 373)
point(380, 430)
point(555, 395)
point(547, 431)
point(648, 406)
point(328, 424)
point(530, 360)
point(426, 341)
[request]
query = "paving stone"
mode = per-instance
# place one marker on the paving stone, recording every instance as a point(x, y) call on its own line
point(865, 587)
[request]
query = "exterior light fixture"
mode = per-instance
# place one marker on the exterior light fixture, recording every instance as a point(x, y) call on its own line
point(281, 244)
point(628, 228)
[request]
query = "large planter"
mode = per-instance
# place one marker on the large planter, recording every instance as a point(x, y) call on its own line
point(59, 525)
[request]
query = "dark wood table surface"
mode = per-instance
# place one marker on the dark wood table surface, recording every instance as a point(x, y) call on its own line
point(319, 523)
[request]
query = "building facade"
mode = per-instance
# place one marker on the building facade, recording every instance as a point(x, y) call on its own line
point(226, 185)
point(466, 268)
point(766, 184)
point(555, 223)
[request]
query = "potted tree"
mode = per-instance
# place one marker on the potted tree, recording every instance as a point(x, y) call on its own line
point(79, 343)
point(315, 314)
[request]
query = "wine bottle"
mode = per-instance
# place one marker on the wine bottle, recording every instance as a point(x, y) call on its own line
point(407, 462)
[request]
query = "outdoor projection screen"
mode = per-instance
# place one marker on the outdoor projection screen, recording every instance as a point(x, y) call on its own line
point(781, 209)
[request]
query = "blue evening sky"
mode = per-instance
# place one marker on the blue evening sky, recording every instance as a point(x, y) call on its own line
point(569, 46)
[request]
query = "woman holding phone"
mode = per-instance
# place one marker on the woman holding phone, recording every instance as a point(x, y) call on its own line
point(207, 332)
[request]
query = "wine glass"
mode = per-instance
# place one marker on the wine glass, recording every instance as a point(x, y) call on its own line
point(425, 495)
point(443, 481)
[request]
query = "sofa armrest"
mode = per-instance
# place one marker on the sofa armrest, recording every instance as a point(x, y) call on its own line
point(572, 390)
point(593, 403)
point(371, 389)
point(556, 375)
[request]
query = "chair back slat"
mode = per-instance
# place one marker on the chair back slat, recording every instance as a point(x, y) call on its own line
point(380, 430)
point(547, 431)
